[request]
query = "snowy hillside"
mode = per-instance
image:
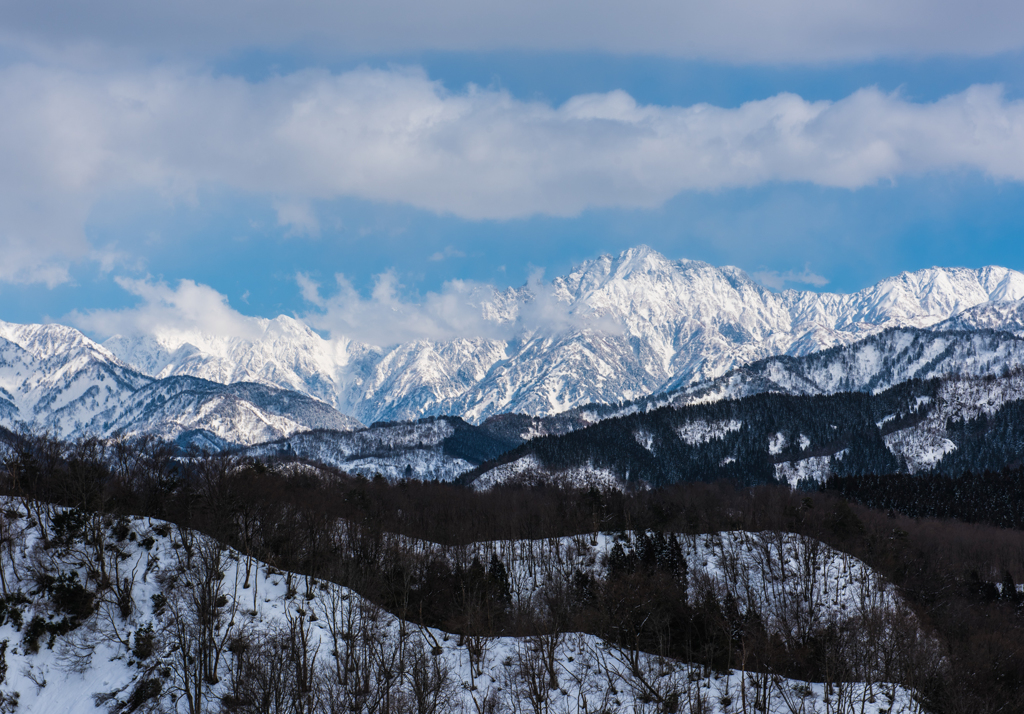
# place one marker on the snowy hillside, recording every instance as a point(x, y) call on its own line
point(634, 324)
point(431, 449)
point(528, 470)
point(797, 583)
point(189, 625)
point(960, 398)
point(239, 413)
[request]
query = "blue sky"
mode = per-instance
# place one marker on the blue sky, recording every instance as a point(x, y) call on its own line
point(153, 149)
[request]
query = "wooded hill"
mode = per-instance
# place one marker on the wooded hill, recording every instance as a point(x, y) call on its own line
point(751, 440)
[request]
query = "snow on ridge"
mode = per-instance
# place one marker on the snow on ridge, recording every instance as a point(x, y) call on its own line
point(921, 449)
point(700, 431)
point(924, 444)
point(529, 469)
point(814, 468)
point(645, 439)
point(395, 451)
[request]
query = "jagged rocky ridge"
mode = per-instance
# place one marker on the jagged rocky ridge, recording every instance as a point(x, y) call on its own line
point(615, 329)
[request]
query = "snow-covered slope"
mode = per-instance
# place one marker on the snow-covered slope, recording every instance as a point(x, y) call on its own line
point(431, 449)
point(53, 378)
point(1006, 315)
point(241, 413)
point(872, 365)
point(529, 471)
point(615, 329)
point(137, 648)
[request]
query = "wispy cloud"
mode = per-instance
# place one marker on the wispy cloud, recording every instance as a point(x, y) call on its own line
point(298, 217)
point(448, 252)
point(69, 139)
point(775, 279)
point(461, 309)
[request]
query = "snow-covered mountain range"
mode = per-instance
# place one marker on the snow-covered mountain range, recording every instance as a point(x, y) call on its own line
point(616, 329)
point(625, 327)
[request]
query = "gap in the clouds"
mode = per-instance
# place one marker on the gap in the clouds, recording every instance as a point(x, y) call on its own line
point(554, 77)
point(234, 243)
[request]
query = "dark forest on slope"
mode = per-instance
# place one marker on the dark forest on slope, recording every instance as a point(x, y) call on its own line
point(849, 428)
point(832, 424)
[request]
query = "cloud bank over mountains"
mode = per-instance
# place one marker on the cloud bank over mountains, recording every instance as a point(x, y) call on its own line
point(461, 309)
point(396, 136)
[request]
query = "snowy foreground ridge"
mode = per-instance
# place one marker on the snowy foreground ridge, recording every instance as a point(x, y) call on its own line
point(143, 645)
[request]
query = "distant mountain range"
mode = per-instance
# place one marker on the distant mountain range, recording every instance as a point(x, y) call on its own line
point(629, 326)
point(632, 333)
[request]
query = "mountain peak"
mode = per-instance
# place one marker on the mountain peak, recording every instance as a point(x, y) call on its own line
point(621, 327)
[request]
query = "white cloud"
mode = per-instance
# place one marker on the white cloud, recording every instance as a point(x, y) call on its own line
point(448, 252)
point(775, 279)
point(169, 312)
point(309, 289)
point(298, 217)
point(461, 309)
point(729, 30)
point(396, 136)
